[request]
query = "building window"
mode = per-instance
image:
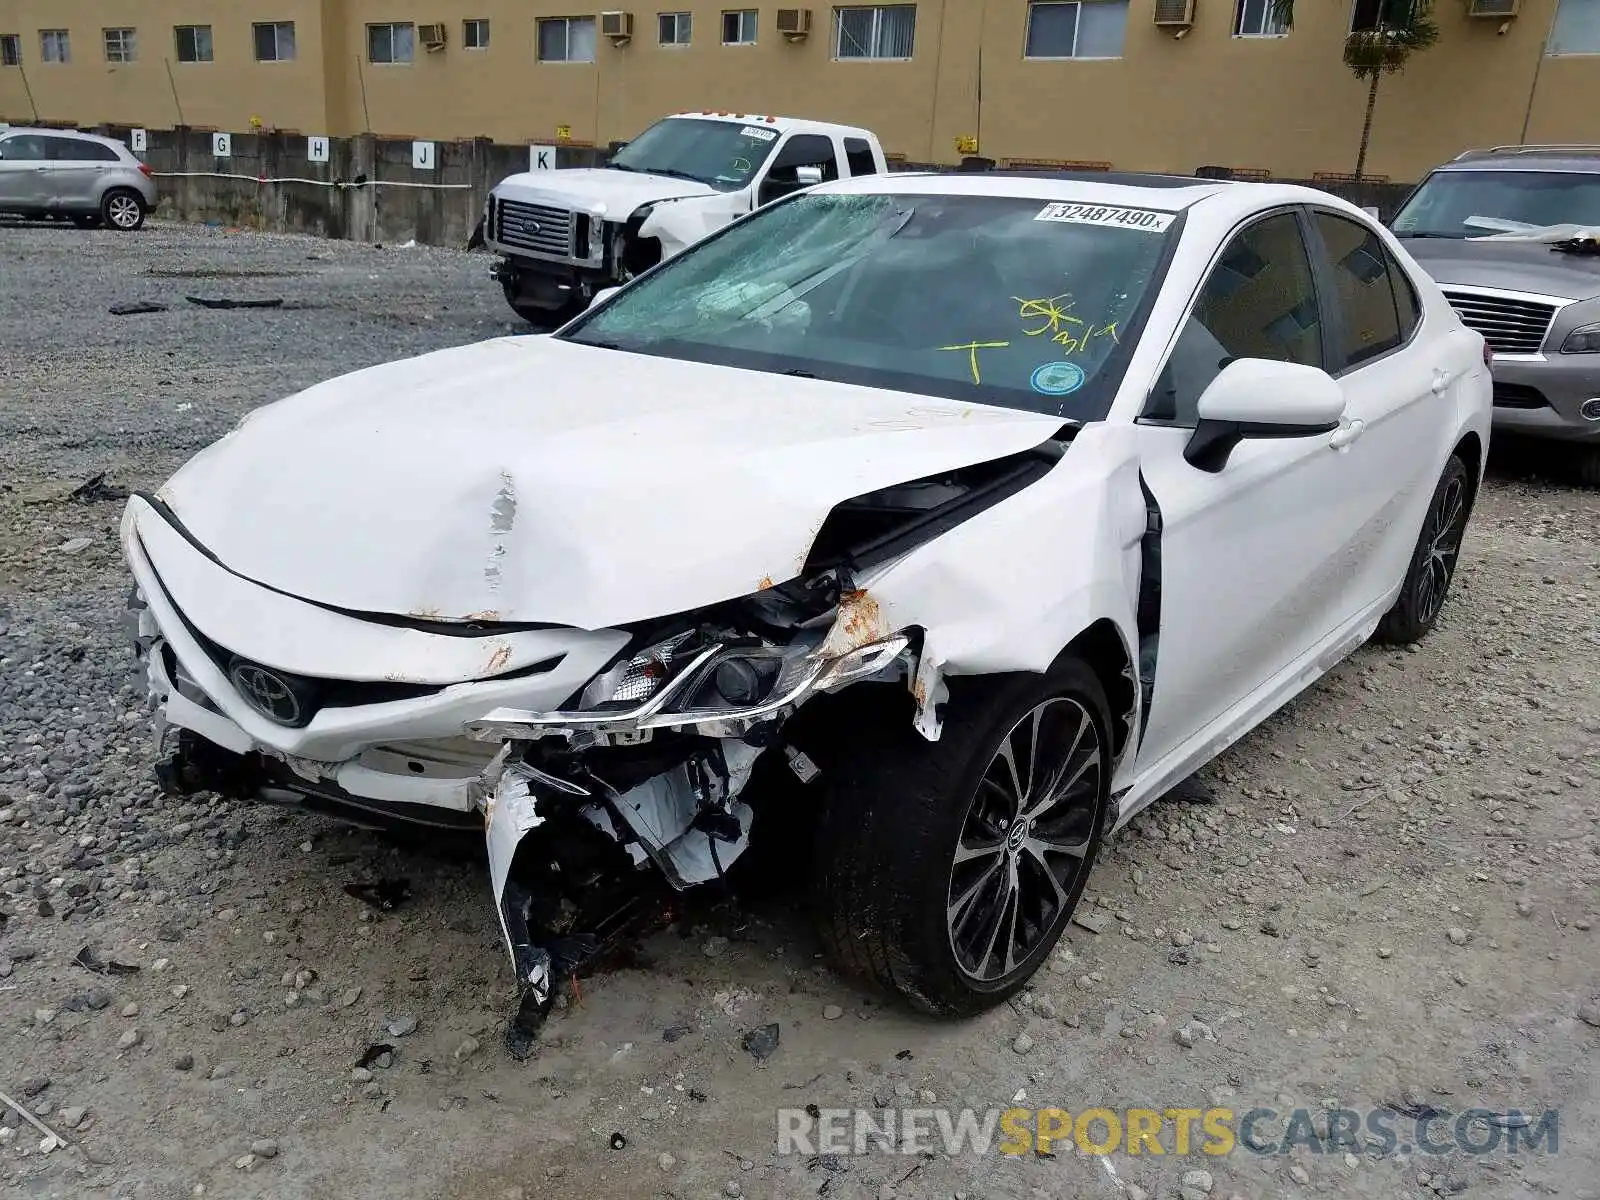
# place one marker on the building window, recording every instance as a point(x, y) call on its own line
point(395, 42)
point(1577, 28)
point(122, 45)
point(1090, 29)
point(882, 31)
point(566, 39)
point(739, 27)
point(194, 43)
point(475, 34)
point(55, 46)
point(1255, 18)
point(675, 28)
point(1369, 15)
point(10, 49)
point(274, 41)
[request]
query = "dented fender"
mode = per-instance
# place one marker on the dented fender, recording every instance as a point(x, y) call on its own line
point(1011, 587)
point(681, 222)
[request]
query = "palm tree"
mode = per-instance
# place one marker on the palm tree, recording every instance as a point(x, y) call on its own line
point(1400, 28)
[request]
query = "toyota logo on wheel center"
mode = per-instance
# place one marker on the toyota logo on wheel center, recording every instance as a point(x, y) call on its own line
point(266, 692)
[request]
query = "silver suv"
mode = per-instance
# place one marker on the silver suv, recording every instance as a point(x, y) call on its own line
point(1511, 236)
point(60, 173)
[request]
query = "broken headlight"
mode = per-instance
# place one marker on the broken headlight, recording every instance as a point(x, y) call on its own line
point(686, 682)
point(637, 679)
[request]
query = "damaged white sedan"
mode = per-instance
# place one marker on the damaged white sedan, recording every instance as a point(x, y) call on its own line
point(970, 512)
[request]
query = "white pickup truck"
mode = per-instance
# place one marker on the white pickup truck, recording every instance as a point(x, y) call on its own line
point(563, 235)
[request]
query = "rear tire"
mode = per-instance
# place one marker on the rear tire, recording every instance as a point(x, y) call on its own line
point(122, 209)
point(1433, 562)
point(947, 871)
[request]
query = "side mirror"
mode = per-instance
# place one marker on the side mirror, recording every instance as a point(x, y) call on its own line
point(1262, 398)
point(808, 176)
point(601, 295)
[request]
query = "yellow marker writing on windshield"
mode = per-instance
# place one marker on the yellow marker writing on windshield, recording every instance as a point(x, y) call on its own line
point(1075, 342)
point(1052, 310)
point(972, 349)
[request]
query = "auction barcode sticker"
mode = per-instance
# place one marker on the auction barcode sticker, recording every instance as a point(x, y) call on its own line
point(753, 131)
point(1105, 214)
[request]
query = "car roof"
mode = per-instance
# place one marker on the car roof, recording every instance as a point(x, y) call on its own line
point(77, 134)
point(1557, 157)
point(1165, 193)
point(781, 124)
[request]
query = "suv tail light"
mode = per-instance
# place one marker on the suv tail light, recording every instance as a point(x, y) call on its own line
point(1488, 356)
point(144, 169)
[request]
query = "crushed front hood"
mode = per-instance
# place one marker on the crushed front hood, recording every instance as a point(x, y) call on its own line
point(530, 479)
point(614, 193)
point(1512, 266)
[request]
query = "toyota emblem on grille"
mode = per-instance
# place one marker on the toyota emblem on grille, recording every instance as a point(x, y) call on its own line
point(266, 692)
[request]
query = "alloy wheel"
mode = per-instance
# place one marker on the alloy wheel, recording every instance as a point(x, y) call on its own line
point(1446, 528)
point(1025, 843)
point(123, 211)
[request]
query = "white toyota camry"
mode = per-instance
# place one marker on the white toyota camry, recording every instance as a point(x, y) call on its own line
point(1064, 483)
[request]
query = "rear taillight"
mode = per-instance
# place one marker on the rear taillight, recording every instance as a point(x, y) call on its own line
point(1488, 355)
point(144, 169)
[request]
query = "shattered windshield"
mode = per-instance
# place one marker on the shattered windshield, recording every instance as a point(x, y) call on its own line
point(1021, 303)
point(1471, 204)
point(724, 154)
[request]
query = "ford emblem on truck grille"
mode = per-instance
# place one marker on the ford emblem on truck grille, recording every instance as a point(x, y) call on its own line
point(531, 226)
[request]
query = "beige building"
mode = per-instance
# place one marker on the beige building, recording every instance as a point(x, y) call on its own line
point(1052, 80)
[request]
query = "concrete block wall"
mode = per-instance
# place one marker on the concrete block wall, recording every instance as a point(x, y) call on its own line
point(369, 191)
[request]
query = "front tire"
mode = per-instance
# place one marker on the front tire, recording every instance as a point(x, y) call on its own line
point(1433, 562)
point(947, 871)
point(122, 209)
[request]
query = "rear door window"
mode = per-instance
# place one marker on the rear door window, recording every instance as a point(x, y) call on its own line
point(858, 153)
point(60, 149)
point(1363, 289)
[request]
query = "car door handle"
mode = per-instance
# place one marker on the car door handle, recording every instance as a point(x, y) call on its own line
point(1345, 434)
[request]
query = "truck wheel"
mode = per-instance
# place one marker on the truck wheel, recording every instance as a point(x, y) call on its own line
point(544, 318)
point(946, 871)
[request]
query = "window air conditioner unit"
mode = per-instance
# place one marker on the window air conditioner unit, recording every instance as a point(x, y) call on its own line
point(794, 23)
point(618, 26)
point(1174, 14)
point(1494, 10)
point(433, 37)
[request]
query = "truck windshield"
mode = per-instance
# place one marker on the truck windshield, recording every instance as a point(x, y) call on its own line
point(1464, 203)
point(1021, 303)
point(724, 154)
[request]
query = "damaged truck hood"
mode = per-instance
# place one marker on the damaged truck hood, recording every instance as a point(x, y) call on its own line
point(614, 194)
point(529, 479)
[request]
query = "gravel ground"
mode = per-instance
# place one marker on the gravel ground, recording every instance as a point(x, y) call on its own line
point(1386, 896)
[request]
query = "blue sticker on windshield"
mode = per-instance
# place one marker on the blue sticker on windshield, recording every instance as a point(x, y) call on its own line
point(1057, 378)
